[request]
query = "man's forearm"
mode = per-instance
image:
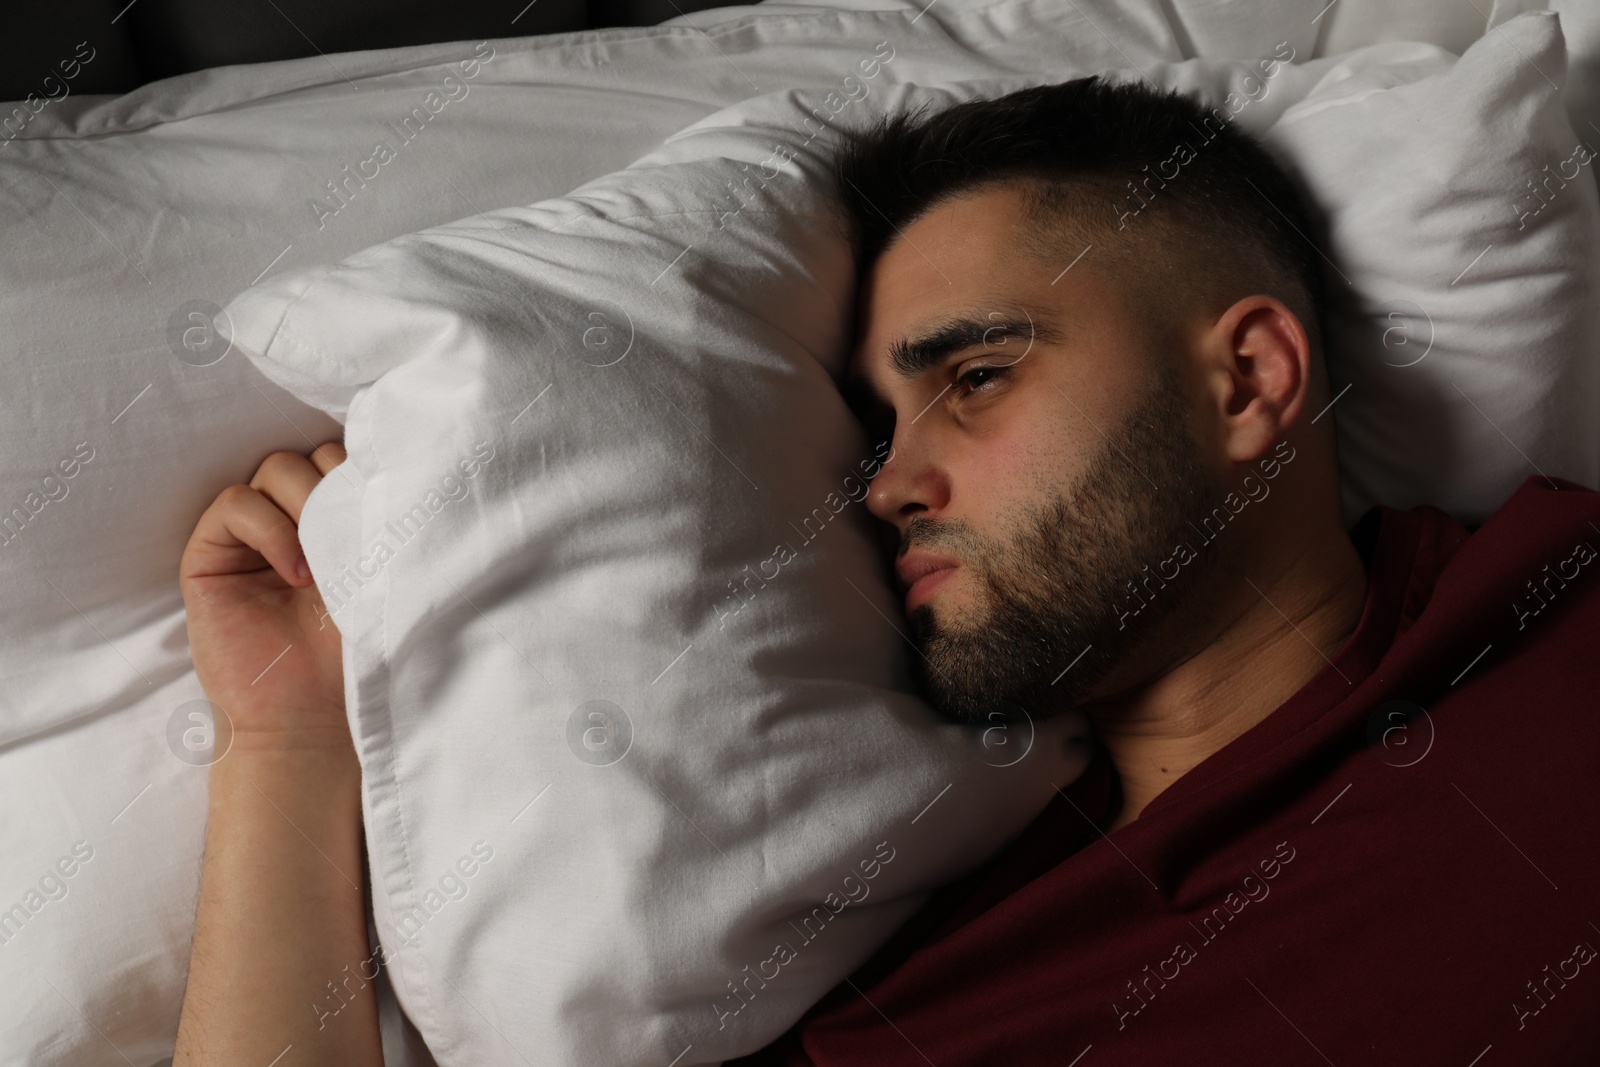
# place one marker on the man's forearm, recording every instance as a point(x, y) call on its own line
point(281, 922)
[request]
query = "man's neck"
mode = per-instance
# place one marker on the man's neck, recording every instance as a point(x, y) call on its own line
point(1266, 645)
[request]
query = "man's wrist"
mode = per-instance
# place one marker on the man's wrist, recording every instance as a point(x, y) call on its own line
point(323, 734)
point(307, 769)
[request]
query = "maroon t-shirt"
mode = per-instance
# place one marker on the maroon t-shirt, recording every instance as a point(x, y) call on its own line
point(1400, 865)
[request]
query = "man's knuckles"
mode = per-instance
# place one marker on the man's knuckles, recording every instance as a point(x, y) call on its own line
point(328, 455)
point(281, 467)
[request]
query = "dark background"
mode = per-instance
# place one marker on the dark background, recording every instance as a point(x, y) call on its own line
point(153, 39)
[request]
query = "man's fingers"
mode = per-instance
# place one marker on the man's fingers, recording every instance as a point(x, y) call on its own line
point(260, 521)
point(286, 478)
point(240, 528)
point(327, 456)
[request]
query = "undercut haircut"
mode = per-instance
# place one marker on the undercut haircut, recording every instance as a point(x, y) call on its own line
point(1192, 213)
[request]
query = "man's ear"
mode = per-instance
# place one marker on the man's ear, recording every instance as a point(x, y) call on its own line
point(1258, 373)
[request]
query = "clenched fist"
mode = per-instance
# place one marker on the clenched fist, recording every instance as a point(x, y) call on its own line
point(264, 648)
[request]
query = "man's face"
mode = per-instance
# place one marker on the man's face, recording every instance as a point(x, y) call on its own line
point(1052, 479)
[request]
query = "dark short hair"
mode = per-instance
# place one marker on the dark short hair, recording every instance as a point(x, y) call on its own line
point(1205, 211)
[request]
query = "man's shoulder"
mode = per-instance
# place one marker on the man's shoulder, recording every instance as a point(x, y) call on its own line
point(1541, 495)
point(1543, 515)
point(1529, 572)
point(1546, 521)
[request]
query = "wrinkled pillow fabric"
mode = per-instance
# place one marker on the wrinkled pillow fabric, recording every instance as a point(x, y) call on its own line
point(1463, 225)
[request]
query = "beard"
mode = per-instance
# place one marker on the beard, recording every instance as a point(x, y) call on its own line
point(1086, 579)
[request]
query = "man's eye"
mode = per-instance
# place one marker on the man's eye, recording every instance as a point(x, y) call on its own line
point(976, 384)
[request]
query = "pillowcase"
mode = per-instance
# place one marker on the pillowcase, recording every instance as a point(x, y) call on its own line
point(1580, 24)
point(1464, 223)
point(1354, 24)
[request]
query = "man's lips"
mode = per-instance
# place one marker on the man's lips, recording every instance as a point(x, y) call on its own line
point(924, 587)
point(913, 565)
point(921, 573)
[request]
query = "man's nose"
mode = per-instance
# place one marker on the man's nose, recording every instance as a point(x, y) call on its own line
point(909, 482)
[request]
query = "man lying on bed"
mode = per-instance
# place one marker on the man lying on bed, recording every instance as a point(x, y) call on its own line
point(1322, 823)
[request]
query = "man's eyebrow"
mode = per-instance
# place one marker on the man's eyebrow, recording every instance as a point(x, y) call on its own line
point(913, 356)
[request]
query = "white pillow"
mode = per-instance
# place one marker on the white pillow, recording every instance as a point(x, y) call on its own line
point(1469, 334)
point(614, 615)
point(1580, 24)
point(119, 213)
point(1353, 24)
